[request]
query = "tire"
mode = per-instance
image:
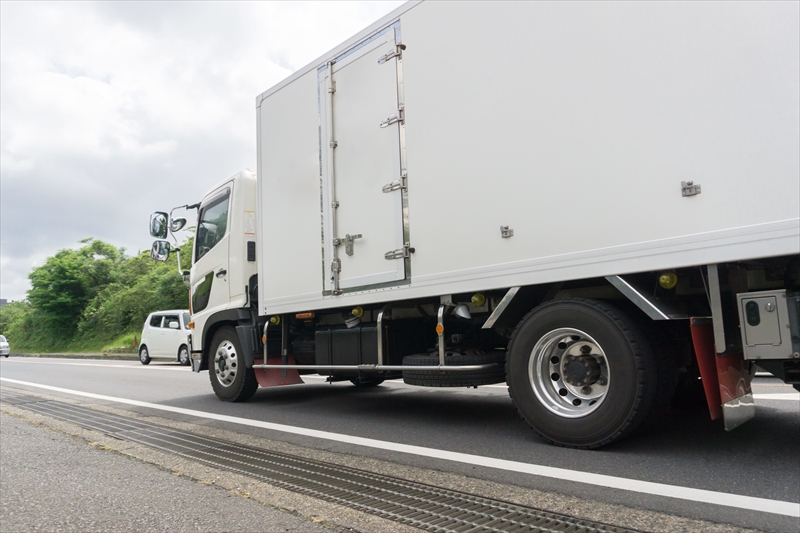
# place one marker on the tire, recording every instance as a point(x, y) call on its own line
point(581, 373)
point(471, 378)
point(230, 378)
point(144, 355)
point(365, 383)
point(183, 355)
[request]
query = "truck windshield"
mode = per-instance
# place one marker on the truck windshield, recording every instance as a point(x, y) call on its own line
point(211, 224)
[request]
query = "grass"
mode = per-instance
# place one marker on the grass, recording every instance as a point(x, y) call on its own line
point(121, 344)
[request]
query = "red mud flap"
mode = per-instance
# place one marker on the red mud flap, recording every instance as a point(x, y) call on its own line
point(726, 378)
point(272, 377)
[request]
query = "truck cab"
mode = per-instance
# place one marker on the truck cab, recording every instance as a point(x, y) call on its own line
point(222, 279)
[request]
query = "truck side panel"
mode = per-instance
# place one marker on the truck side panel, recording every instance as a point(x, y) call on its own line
point(574, 124)
point(290, 250)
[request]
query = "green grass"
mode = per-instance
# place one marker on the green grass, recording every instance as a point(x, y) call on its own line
point(121, 344)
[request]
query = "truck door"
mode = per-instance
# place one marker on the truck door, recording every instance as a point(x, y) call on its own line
point(209, 290)
point(364, 194)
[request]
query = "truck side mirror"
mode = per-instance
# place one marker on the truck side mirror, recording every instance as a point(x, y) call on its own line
point(158, 225)
point(160, 250)
point(177, 224)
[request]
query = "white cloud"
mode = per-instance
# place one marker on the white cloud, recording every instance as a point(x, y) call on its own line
point(111, 110)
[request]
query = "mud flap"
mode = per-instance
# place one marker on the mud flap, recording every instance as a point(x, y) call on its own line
point(726, 378)
point(272, 377)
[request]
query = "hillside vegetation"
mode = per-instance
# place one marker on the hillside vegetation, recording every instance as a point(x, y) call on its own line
point(92, 298)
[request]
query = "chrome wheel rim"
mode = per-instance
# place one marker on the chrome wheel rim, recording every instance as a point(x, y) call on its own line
point(569, 373)
point(225, 364)
point(143, 354)
point(183, 357)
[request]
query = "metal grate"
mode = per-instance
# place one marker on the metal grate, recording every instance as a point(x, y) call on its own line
point(416, 504)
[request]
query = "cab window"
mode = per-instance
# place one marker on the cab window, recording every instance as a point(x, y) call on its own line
point(211, 224)
point(170, 318)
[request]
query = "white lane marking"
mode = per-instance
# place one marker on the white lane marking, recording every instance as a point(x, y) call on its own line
point(633, 485)
point(788, 396)
point(107, 365)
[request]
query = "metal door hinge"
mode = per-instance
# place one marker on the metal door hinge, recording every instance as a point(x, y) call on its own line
point(334, 144)
point(335, 204)
point(336, 265)
point(506, 232)
point(332, 88)
point(397, 52)
point(393, 119)
point(688, 188)
point(400, 253)
point(401, 184)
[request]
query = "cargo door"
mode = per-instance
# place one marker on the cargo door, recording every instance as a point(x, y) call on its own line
point(365, 229)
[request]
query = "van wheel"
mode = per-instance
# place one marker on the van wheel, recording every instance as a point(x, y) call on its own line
point(144, 355)
point(581, 373)
point(230, 378)
point(183, 355)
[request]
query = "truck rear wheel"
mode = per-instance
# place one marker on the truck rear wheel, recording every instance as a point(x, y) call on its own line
point(581, 373)
point(230, 378)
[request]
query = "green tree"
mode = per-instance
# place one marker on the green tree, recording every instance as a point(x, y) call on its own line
point(63, 286)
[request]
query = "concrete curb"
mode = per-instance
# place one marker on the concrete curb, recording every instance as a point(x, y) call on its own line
point(92, 355)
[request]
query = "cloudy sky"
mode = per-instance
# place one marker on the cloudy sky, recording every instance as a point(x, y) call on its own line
point(112, 110)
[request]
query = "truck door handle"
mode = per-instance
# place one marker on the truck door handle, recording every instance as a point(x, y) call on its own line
point(221, 272)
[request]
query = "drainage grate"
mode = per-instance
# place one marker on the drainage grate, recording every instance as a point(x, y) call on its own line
point(415, 504)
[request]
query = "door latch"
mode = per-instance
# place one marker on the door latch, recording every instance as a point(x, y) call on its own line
point(397, 52)
point(688, 188)
point(393, 119)
point(348, 242)
point(401, 184)
point(400, 253)
point(221, 272)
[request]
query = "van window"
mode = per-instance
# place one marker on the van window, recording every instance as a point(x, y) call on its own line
point(155, 321)
point(211, 224)
point(186, 320)
point(170, 318)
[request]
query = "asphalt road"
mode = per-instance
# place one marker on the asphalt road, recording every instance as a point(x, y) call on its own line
point(51, 482)
point(758, 460)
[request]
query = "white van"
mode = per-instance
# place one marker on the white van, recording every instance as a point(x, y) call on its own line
point(165, 336)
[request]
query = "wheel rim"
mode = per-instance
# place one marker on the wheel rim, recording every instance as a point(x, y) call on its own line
point(225, 363)
point(569, 373)
point(142, 354)
point(184, 356)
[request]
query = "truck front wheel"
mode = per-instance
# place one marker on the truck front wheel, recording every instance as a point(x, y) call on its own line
point(581, 373)
point(230, 378)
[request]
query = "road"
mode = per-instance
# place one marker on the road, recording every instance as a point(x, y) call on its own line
point(430, 428)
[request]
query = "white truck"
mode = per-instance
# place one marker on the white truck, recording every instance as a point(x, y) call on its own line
point(597, 203)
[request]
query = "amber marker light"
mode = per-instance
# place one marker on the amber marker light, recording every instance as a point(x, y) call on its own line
point(190, 325)
point(439, 329)
point(668, 280)
point(304, 316)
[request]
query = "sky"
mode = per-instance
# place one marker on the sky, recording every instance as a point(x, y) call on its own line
point(112, 110)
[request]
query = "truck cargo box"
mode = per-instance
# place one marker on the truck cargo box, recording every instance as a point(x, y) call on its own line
point(454, 147)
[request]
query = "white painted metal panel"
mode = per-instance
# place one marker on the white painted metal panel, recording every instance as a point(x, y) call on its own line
point(290, 228)
point(575, 123)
